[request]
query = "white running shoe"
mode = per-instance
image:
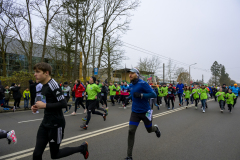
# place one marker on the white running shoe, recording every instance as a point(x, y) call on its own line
point(203, 111)
point(195, 107)
point(160, 104)
point(73, 114)
point(12, 137)
point(37, 112)
point(125, 107)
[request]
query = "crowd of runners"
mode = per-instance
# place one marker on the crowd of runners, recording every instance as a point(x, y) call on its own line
point(93, 97)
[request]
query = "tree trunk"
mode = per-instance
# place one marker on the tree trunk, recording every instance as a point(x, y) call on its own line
point(76, 44)
point(85, 70)
point(109, 64)
point(31, 39)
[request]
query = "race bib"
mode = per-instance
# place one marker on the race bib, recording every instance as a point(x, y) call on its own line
point(44, 99)
point(125, 91)
point(102, 94)
point(86, 95)
point(149, 115)
point(65, 94)
point(169, 92)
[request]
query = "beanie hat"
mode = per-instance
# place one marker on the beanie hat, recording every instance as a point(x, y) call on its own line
point(94, 79)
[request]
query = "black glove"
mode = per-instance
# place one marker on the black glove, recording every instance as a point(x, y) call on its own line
point(114, 89)
point(136, 95)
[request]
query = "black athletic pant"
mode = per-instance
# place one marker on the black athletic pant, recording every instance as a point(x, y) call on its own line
point(215, 97)
point(187, 101)
point(6, 102)
point(230, 107)
point(159, 100)
point(196, 102)
point(53, 136)
point(17, 102)
point(170, 99)
point(112, 99)
point(3, 135)
point(133, 124)
point(235, 101)
point(103, 100)
point(165, 99)
point(91, 109)
point(67, 99)
point(33, 96)
point(78, 101)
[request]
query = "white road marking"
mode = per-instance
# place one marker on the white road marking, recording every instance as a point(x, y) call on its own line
point(85, 136)
point(42, 118)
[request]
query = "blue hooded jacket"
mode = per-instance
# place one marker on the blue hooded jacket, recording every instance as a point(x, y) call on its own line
point(180, 87)
point(235, 90)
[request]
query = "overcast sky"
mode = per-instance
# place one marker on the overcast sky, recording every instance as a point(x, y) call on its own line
point(189, 31)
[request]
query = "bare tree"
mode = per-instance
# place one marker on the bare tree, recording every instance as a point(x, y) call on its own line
point(6, 34)
point(47, 10)
point(181, 75)
point(113, 55)
point(114, 12)
point(170, 70)
point(149, 64)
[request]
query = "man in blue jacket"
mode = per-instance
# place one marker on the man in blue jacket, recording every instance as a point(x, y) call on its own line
point(141, 111)
point(180, 88)
point(235, 90)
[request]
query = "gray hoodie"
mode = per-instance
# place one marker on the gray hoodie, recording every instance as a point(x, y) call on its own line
point(66, 91)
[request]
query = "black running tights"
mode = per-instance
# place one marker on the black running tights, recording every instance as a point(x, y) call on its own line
point(53, 136)
point(79, 100)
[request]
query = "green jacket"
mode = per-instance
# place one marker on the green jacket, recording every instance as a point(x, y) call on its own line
point(100, 85)
point(203, 93)
point(220, 97)
point(7, 94)
point(26, 94)
point(92, 91)
point(195, 93)
point(165, 91)
point(112, 92)
point(230, 98)
point(160, 92)
point(187, 94)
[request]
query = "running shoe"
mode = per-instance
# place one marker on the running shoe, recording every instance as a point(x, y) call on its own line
point(73, 114)
point(128, 158)
point(179, 104)
point(84, 126)
point(66, 111)
point(168, 107)
point(70, 107)
point(158, 107)
point(195, 107)
point(14, 109)
point(104, 117)
point(125, 107)
point(221, 111)
point(160, 104)
point(37, 112)
point(172, 107)
point(11, 137)
point(85, 151)
point(84, 119)
point(158, 132)
point(203, 111)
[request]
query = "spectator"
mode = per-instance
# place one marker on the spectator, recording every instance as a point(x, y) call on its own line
point(26, 96)
point(7, 95)
point(16, 94)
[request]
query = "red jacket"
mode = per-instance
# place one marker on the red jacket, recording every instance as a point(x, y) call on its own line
point(78, 91)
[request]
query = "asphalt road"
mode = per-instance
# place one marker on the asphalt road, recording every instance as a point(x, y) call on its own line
point(187, 134)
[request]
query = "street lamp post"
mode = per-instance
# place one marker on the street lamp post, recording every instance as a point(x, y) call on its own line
point(190, 73)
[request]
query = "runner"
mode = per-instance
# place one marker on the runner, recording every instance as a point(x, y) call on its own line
point(103, 99)
point(92, 91)
point(66, 92)
point(16, 94)
point(51, 130)
point(153, 101)
point(195, 96)
point(230, 99)
point(78, 89)
point(214, 90)
point(203, 96)
point(140, 93)
point(118, 93)
point(112, 90)
point(124, 92)
point(235, 90)
point(180, 88)
point(9, 135)
point(187, 95)
point(170, 96)
point(220, 94)
point(160, 95)
point(165, 93)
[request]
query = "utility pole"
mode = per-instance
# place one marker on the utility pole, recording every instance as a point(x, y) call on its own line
point(163, 72)
point(190, 73)
point(202, 78)
point(125, 73)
